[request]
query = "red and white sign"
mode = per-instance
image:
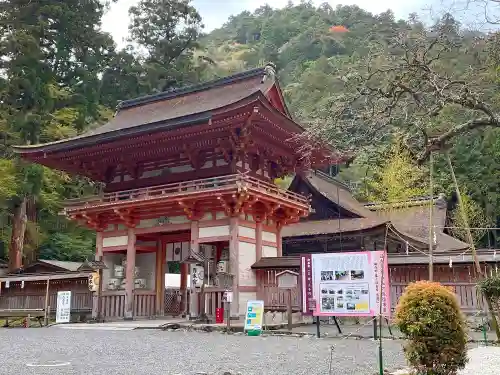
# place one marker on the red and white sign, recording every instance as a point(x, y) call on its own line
point(345, 284)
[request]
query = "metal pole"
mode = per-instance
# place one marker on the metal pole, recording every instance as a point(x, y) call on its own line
point(228, 317)
point(289, 309)
point(318, 333)
point(375, 332)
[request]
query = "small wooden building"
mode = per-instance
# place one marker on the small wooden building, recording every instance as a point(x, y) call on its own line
point(27, 288)
point(339, 223)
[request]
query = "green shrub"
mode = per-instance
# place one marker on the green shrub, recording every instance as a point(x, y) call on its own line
point(429, 316)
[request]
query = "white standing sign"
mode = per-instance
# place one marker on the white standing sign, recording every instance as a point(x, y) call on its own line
point(63, 311)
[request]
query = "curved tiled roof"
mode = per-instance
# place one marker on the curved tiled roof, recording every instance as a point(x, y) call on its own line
point(173, 107)
point(409, 220)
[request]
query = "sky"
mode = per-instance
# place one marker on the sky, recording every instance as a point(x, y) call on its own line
point(216, 12)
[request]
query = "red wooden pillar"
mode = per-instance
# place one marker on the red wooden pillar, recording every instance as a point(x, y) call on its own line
point(129, 275)
point(258, 241)
point(234, 264)
point(194, 244)
point(279, 243)
point(96, 301)
point(98, 245)
point(160, 277)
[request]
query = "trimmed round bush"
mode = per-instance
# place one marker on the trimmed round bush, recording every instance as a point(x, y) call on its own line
point(429, 315)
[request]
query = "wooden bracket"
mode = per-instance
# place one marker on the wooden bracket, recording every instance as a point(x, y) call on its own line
point(126, 216)
point(192, 210)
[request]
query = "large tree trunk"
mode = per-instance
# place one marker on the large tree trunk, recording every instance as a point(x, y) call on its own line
point(17, 237)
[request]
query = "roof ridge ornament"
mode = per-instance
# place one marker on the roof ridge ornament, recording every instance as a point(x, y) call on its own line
point(269, 72)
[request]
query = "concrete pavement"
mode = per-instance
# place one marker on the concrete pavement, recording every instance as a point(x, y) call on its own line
point(56, 351)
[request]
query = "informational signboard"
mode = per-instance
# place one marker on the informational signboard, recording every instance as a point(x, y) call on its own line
point(253, 317)
point(345, 284)
point(287, 279)
point(63, 311)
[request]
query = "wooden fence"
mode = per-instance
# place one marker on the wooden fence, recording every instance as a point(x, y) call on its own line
point(275, 298)
point(80, 301)
point(466, 294)
point(113, 304)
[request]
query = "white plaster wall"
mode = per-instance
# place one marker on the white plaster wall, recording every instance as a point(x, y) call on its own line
point(222, 230)
point(207, 216)
point(208, 164)
point(145, 243)
point(269, 236)
point(110, 228)
point(181, 168)
point(177, 220)
point(247, 258)
point(246, 232)
point(147, 223)
point(250, 218)
point(147, 264)
point(114, 241)
point(269, 251)
point(220, 215)
point(151, 173)
point(244, 297)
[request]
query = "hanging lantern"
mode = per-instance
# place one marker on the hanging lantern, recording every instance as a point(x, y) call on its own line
point(451, 263)
point(407, 247)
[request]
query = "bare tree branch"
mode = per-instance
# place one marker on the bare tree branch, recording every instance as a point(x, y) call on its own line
point(414, 91)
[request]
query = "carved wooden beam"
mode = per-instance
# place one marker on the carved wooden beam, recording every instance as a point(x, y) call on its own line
point(126, 215)
point(192, 210)
point(92, 221)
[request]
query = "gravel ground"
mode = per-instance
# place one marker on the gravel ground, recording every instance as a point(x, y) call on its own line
point(484, 361)
point(95, 352)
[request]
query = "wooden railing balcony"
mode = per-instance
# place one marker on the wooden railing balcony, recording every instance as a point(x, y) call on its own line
point(229, 183)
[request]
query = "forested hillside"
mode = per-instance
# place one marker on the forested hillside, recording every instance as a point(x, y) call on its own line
point(60, 75)
point(330, 58)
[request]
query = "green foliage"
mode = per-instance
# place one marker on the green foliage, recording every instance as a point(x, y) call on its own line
point(429, 315)
point(169, 32)
point(7, 180)
point(476, 218)
point(320, 71)
point(490, 287)
point(60, 75)
point(397, 179)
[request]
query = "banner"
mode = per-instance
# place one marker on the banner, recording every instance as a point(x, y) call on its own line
point(345, 284)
